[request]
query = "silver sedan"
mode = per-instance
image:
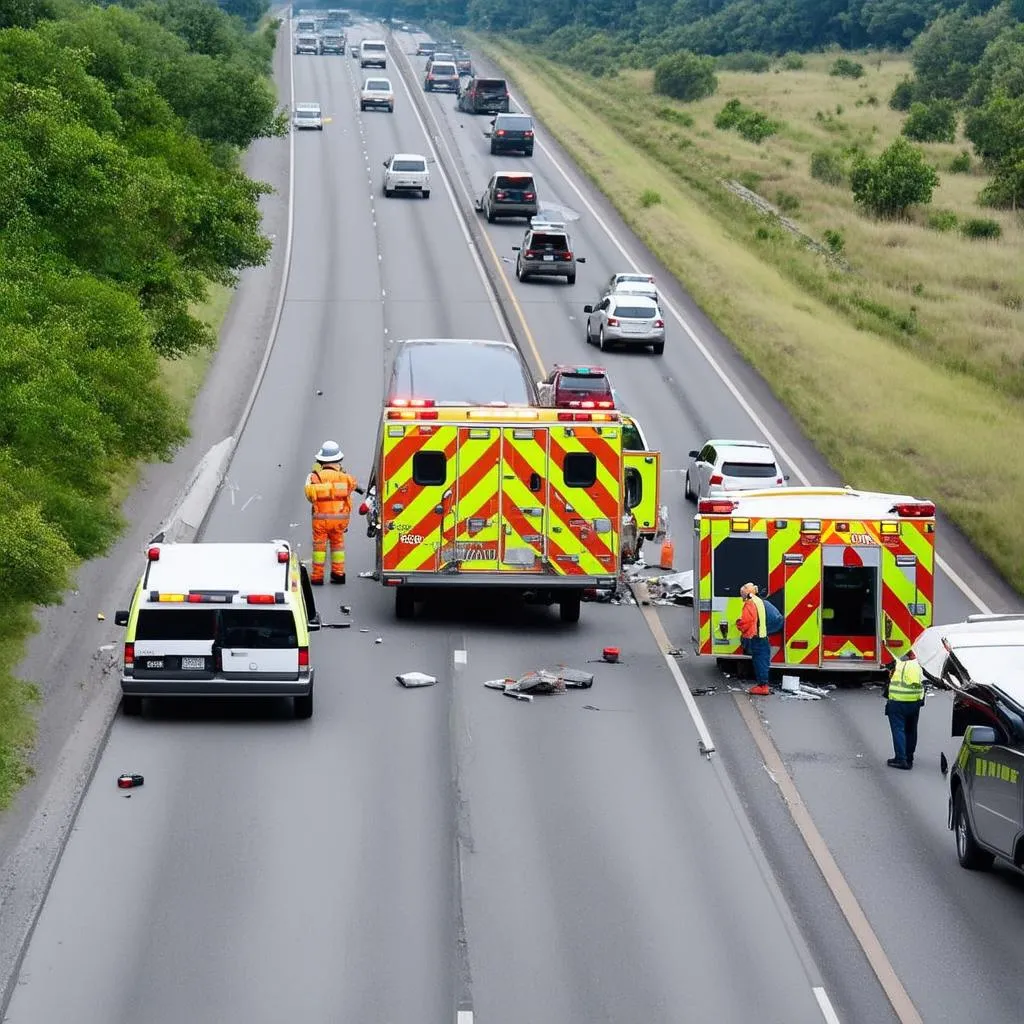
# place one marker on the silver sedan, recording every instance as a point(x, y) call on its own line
point(626, 320)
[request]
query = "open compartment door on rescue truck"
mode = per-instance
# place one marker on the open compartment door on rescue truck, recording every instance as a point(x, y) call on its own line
point(642, 489)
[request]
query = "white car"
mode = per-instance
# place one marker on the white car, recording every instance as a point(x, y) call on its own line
point(636, 288)
point(721, 467)
point(377, 92)
point(628, 319)
point(308, 115)
point(406, 172)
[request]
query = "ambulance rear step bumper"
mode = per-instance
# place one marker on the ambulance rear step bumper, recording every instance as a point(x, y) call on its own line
point(217, 687)
point(842, 665)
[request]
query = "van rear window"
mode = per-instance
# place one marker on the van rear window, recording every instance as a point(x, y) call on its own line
point(258, 628)
point(176, 624)
point(757, 470)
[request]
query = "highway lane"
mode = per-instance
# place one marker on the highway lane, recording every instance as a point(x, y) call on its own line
point(971, 956)
point(275, 870)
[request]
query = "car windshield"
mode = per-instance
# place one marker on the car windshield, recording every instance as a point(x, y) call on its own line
point(558, 242)
point(383, 86)
point(408, 165)
point(445, 70)
point(374, 47)
point(307, 113)
point(636, 312)
point(634, 278)
point(514, 124)
point(589, 382)
point(750, 469)
point(508, 181)
point(487, 85)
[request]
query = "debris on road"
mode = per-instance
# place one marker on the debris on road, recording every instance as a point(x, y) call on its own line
point(704, 691)
point(337, 625)
point(129, 781)
point(345, 609)
point(414, 679)
point(364, 631)
point(100, 616)
point(590, 707)
point(792, 688)
point(370, 574)
point(379, 640)
point(107, 647)
point(516, 695)
point(611, 655)
point(543, 681)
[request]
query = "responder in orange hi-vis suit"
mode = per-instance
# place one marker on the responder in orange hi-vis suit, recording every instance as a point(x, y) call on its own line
point(329, 490)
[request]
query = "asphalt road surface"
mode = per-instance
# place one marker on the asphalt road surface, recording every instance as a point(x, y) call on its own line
point(405, 854)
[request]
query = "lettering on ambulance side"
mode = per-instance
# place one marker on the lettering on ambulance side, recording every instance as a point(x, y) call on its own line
point(985, 769)
point(862, 538)
point(410, 538)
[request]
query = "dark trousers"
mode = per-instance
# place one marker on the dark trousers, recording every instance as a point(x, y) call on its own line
point(760, 651)
point(903, 715)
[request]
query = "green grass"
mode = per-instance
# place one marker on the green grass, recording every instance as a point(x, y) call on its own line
point(901, 368)
point(182, 379)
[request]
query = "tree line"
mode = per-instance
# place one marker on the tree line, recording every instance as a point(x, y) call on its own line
point(123, 198)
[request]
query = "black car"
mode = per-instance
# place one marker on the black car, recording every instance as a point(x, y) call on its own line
point(509, 194)
point(546, 252)
point(512, 133)
point(982, 662)
point(485, 96)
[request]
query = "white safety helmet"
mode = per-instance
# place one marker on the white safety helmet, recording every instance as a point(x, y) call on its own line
point(330, 451)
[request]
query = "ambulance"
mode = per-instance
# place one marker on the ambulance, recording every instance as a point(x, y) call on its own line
point(519, 498)
point(852, 573)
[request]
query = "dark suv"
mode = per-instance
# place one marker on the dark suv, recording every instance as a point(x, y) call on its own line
point(484, 96)
point(512, 133)
point(546, 252)
point(509, 194)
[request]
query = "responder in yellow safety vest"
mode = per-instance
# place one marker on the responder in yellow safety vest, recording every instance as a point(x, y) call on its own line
point(753, 626)
point(904, 700)
point(329, 490)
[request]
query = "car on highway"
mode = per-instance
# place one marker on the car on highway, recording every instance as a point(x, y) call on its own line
point(484, 96)
point(626, 319)
point(511, 133)
point(373, 53)
point(546, 251)
point(442, 76)
point(981, 660)
point(464, 62)
point(509, 194)
point(440, 55)
point(633, 284)
point(426, 47)
point(576, 387)
point(307, 42)
point(219, 620)
point(406, 172)
point(377, 92)
point(724, 466)
point(332, 42)
point(355, 50)
point(459, 371)
point(308, 115)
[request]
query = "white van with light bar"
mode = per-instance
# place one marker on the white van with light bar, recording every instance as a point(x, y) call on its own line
point(219, 620)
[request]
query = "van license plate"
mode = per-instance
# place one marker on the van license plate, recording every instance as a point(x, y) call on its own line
point(154, 663)
point(549, 259)
point(193, 664)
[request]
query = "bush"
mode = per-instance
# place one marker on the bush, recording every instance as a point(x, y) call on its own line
point(827, 166)
point(756, 127)
point(685, 76)
point(960, 164)
point(843, 67)
point(749, 179)
point(898, 179)
point(931, 122)
point(793, 62)
point(980, 227)
point(835, 241)
point(729, 116)
point(942, 220)
point(746, 60)
point(674, 116)
point(903, 95)
point(787, 202)
point(649, 198)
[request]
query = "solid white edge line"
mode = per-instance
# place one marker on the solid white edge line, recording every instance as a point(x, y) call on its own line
point(825, 1004)
point(461, 657)
point(463, 226)
point(951, 574)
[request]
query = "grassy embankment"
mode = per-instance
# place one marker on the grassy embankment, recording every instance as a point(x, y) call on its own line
point(183, 379)
point(905, 361)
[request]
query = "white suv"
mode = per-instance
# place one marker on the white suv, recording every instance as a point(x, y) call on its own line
point(721, 467)
point(406, 172)
point(308, 115)
point(377, 92)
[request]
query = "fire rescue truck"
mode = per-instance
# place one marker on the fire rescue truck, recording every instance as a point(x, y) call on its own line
point(519, 498)
point(852, 573)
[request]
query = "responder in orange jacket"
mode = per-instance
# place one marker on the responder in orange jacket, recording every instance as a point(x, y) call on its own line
point(753, 625)
point(329, 490)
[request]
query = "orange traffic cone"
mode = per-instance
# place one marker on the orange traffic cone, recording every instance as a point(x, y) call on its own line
point(668, 553)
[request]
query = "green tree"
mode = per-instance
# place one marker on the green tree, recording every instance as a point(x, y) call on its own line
point(946, 54)
point(896, 180)
point(903, 95)
point(1001, 69)
point(685, 76)
point(931, 122)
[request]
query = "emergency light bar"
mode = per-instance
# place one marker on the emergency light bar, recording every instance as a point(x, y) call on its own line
point(712, 506)
point(212, 597)
point(585, 417)
point(413, 403)
point(914, 510)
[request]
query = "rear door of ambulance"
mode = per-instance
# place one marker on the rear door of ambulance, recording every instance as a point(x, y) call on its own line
point(584, 499)
point(417, 494)
point(524, 497)
point(472, 536)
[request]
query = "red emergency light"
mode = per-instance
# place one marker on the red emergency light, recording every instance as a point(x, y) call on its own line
point(153, 554)
point(717, 507)
point(283, 555)
point(914, 510)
